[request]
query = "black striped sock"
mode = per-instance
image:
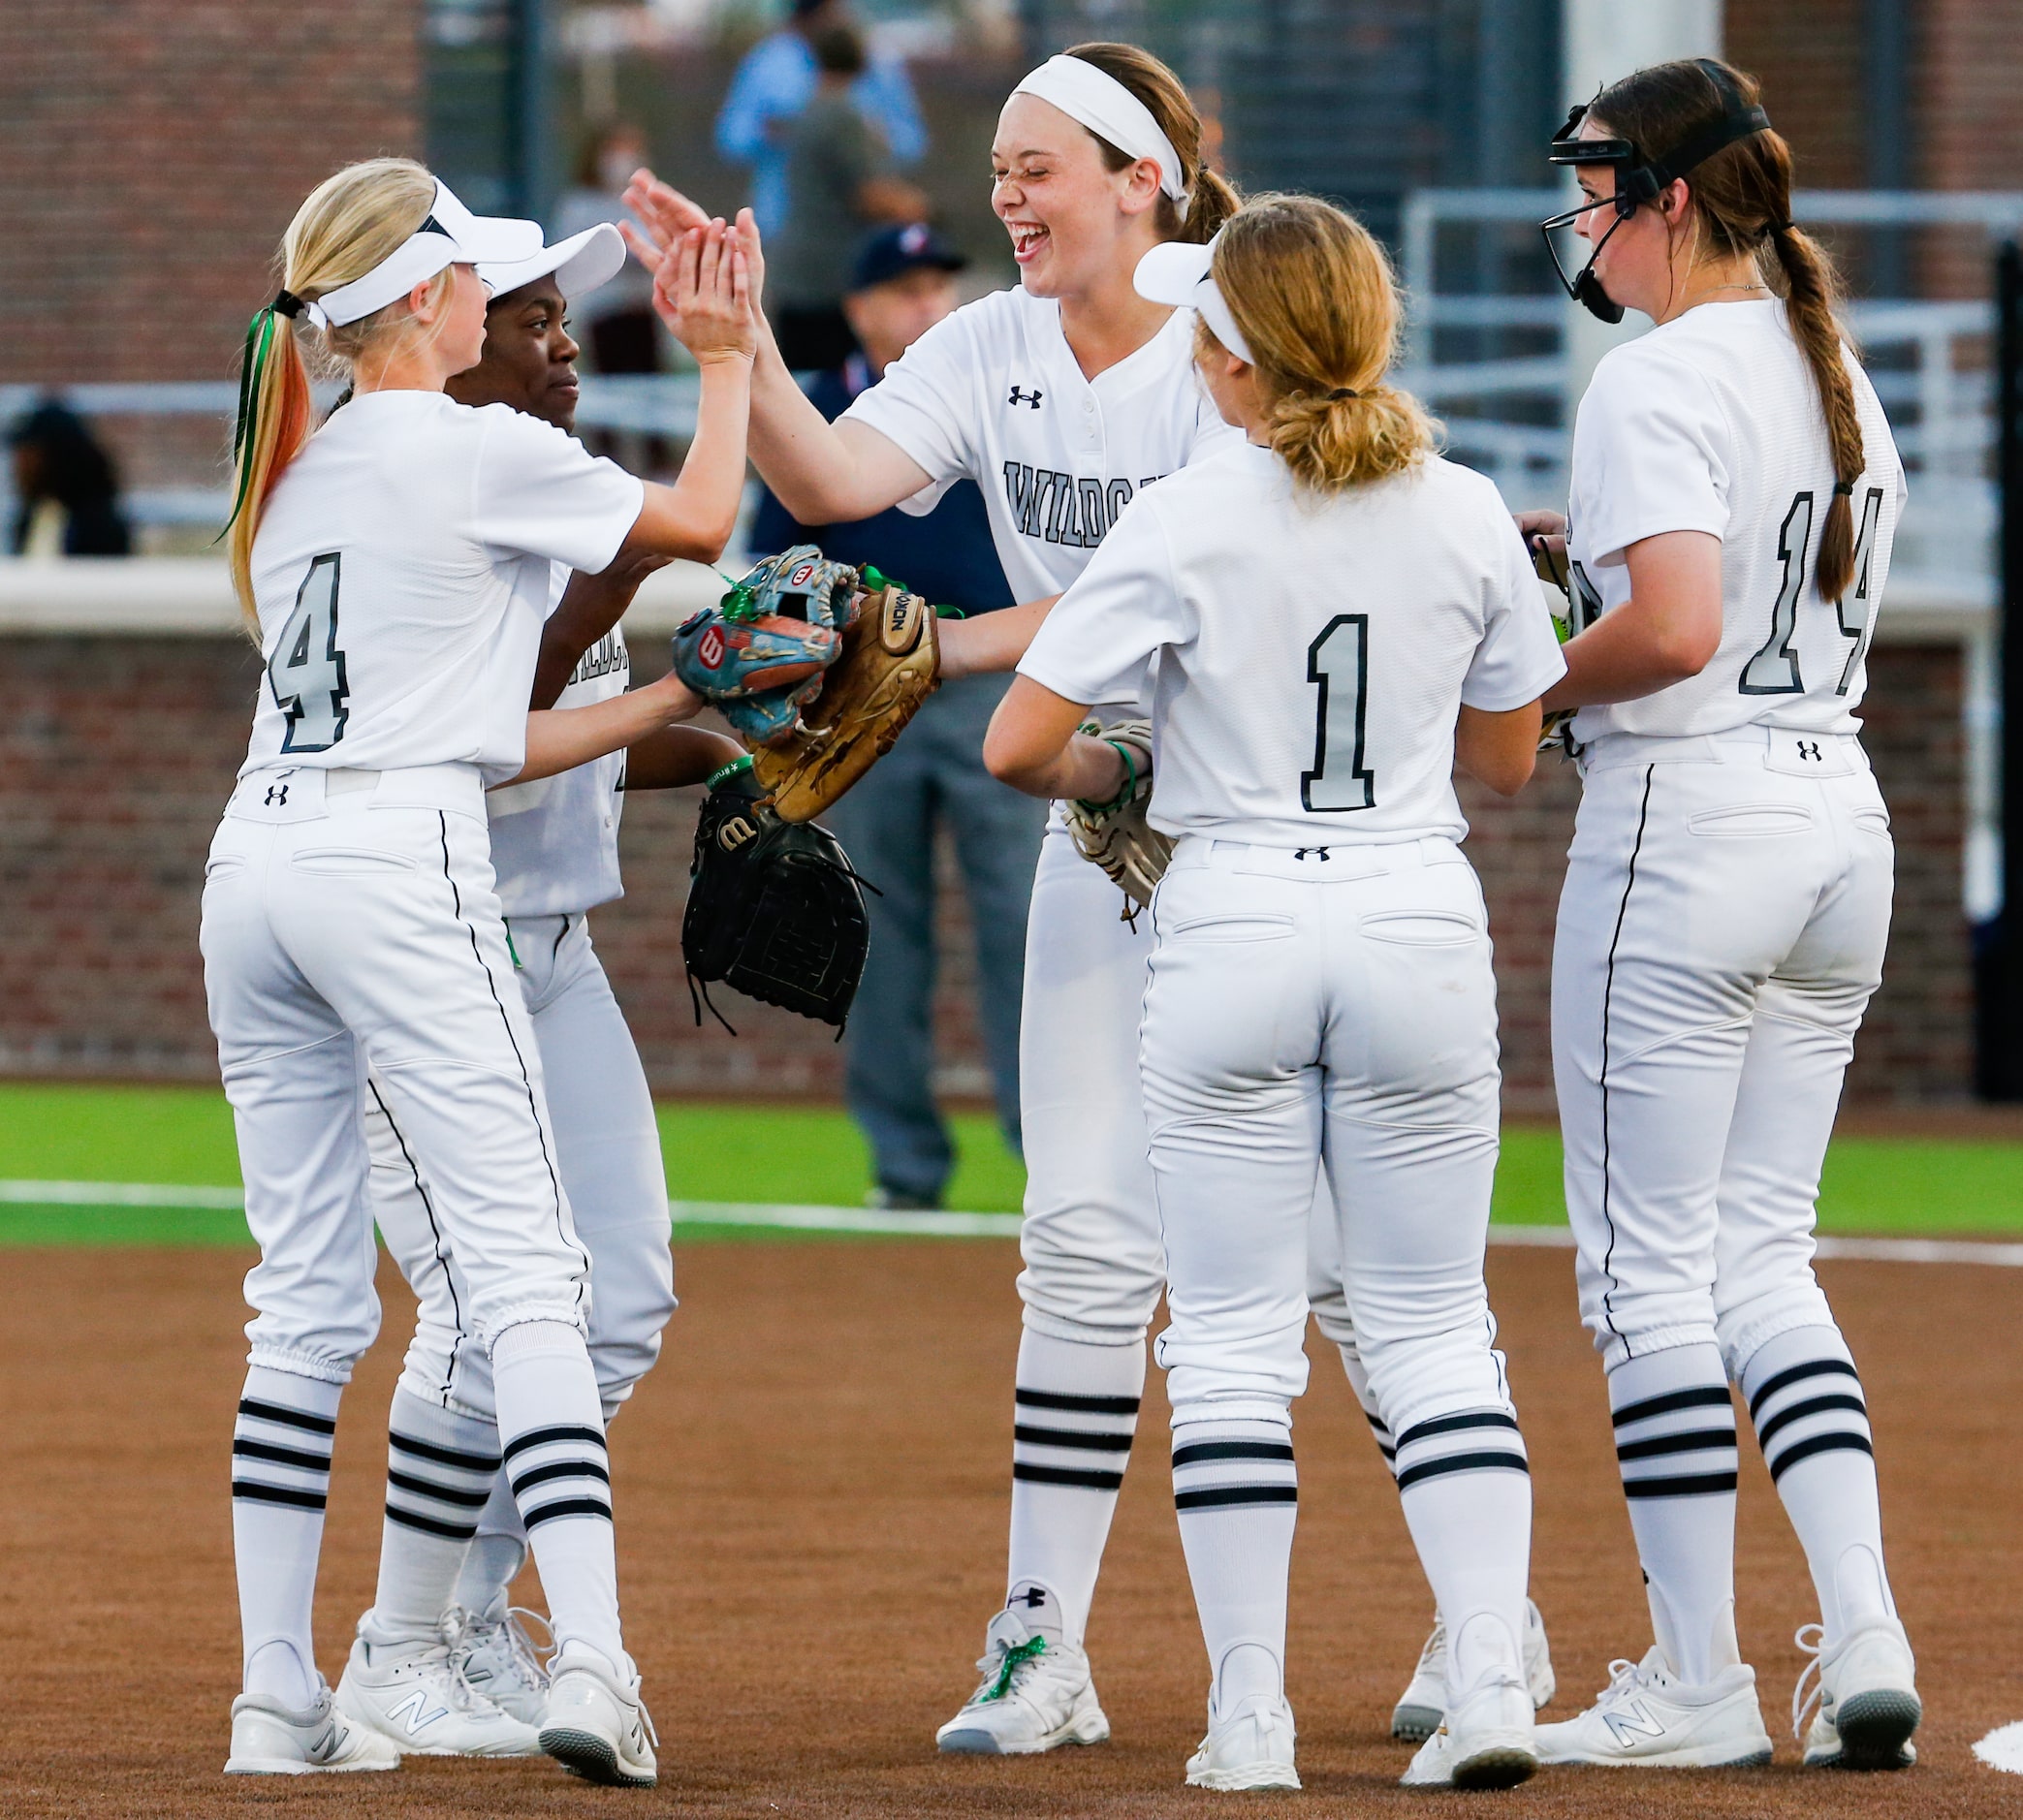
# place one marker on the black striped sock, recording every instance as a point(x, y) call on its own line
point(282, 1446)
point(1675, 1448)
point(1233, 1465)
point(1062, 1438)
point(1680, 1443)
point(1816, 1406)
point(1468, 1441)
point(560, 1471)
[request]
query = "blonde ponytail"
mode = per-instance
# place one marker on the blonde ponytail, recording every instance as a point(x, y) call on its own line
point(350, 222)
point(1313, 298)
point(1210, 197)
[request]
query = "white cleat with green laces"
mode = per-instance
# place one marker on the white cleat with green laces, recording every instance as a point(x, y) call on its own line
point(1035, 1695)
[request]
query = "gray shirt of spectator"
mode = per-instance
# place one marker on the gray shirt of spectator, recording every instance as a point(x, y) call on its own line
point(833, 154)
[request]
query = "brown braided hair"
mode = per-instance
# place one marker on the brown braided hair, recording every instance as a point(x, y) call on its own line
point(1741, 204)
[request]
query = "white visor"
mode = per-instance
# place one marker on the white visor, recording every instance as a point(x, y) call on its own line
point(1180, 274)
point(1110, 111)
point(450, 234)
point(581, 263)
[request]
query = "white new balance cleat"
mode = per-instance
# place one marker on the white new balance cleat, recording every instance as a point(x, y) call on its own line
point(597, 1727)
point(414, 1695)
point(1035, 1695)
point(498, 1657)
point(270, 1739)
point(1866, 1691)
point(1423, 1704)
point(1251, 1748)
point(1647, 1718)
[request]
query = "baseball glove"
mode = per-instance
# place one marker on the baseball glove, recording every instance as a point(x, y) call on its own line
point(1555, 733)
point(1115, 835)
point(759, 654)
point(774, 908)
point(890, 663)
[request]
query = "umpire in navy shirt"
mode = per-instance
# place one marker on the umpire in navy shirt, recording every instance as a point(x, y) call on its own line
point(903, 285)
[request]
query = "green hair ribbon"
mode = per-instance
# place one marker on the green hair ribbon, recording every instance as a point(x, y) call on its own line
point(252, 369)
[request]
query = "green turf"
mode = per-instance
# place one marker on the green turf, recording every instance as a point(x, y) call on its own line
point(814, 1154)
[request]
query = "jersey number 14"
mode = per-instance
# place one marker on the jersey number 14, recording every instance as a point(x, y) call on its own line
point(1774, 670)
point(1338, 664)
point(306, 671)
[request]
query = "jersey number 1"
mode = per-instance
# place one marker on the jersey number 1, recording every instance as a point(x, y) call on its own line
point(1337, 662)
point(306, 671)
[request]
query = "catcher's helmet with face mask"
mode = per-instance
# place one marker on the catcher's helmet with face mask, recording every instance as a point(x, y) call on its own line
point(1639, 178)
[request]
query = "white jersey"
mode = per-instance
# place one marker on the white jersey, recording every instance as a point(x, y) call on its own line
point(994, 394)
point(1312, 653)
point(1712, 422)
point(554, 842)
point(401, 573)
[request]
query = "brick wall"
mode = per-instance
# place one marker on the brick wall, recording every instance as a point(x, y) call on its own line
point(115, 755)
point(154, 153)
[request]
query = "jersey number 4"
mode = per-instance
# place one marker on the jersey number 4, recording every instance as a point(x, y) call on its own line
point(1774, 670)
point(1338, 664)
point(306, 671)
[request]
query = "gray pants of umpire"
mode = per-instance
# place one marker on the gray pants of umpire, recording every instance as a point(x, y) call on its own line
point(935, 774)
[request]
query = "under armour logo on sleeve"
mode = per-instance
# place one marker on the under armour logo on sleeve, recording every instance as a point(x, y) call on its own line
point(1025, 398)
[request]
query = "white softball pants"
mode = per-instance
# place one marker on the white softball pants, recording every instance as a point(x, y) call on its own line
point(607, 1151)
point(1340, 1010)
point(349, 920)
point(1095, 1262)
point(1720, 930)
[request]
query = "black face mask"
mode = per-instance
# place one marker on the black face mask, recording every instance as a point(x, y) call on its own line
point(1638, 179)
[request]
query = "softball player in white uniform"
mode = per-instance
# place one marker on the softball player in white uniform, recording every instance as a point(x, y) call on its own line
point(1062, 399)
point(397, 565)
point(449, 1555)
point(1726, 905)
point(1325, 601)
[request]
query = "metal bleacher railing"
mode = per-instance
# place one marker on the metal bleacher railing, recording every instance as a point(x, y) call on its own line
point(659, 404)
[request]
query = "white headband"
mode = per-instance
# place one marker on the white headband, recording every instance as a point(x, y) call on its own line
point(450, 234)
point(1180, 273)
point(1110, 111)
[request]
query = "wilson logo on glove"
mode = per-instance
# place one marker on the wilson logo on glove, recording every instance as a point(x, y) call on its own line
point(709, 647)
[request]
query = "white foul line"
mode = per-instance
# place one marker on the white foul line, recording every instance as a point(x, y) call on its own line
point(792, 1217)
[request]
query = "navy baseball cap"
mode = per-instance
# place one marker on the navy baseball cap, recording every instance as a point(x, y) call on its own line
point(893, 252)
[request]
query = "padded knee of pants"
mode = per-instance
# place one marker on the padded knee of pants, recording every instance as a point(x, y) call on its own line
point(1112, 1289)
point(633, 1279)
point(1743, 1329)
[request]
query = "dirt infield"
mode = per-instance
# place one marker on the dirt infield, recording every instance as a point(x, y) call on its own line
point(812, 1512)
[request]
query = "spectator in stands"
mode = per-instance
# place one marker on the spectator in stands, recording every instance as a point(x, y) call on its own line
point(618, 317)
point(903, 284)
point(777, 80)
point(66, 488)
point(839, 182)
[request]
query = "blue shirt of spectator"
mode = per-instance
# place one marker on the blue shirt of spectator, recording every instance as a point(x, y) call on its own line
point(775, 83)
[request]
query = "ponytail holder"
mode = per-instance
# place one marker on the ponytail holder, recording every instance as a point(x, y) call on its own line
point(1843, 489)
point(1781, 226)
point(287, 303)
point(1341, 394)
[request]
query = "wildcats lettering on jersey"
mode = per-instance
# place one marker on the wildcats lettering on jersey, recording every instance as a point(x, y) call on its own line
point(606, 655)
point(1065, 508)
